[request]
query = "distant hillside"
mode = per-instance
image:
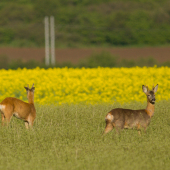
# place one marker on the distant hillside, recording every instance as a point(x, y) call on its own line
point(86, 23)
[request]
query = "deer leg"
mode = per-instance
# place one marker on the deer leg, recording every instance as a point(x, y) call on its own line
point(139, 132)
point(30, 121)
point(119, 125)
point(3, 119)
point(118, 129)
point(31, 124)
point(7, 113)
point(8, 118)
point(26, 125)
point(145, 129)
point(108, 128)
point(138, 129)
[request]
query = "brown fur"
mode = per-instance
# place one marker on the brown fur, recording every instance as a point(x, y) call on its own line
point(125, 118)
point(11, 106)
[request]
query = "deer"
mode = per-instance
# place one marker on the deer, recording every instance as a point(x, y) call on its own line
point(120, 118)
point(12, 106)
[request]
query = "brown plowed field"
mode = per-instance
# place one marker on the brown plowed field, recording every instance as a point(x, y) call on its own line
point(73, 55)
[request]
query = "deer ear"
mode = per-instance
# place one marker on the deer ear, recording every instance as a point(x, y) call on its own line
point(26, 88)
point(33, 88)
point(145, 89)
point(155, 88)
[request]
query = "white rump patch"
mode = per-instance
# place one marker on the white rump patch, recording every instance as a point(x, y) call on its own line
point(109, 116)
point(2, 107)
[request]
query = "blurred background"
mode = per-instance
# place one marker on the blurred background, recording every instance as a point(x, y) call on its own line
point(87, 33)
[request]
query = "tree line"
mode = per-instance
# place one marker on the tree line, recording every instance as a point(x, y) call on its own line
point(86, 23)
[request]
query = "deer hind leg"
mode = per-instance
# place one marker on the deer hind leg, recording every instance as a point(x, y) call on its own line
point(3, 115)
point(8, 118)
point(3, 119)
point(7, 113)
point(109, 123)
point(108, 128)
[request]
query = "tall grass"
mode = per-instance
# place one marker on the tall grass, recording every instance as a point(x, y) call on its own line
point(69, 137)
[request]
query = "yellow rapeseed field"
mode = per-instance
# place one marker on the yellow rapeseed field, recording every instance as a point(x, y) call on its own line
point(68, 85)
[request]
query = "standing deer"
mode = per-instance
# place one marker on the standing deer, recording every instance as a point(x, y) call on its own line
point(11, 106)
point(125, 118)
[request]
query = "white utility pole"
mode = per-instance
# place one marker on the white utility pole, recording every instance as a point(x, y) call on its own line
point(52, 29)
point(47, 52)
point(47, 40)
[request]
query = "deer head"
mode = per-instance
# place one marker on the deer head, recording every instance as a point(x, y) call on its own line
point(30, 93)
point(28, 89)
point(150, 93)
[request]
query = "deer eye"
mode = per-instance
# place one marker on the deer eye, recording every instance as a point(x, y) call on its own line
point(149, 95)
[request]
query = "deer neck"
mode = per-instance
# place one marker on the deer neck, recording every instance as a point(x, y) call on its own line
point(150, 109)
point(30, 98)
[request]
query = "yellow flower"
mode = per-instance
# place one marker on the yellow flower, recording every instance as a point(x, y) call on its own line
point(68, 85)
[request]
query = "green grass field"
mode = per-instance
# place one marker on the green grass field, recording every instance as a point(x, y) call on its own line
point(69, 137)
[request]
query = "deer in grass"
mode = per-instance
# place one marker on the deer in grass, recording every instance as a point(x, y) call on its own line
point(120, 118)
point(11, 106)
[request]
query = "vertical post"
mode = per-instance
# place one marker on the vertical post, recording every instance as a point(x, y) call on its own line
point(47, 54)
point(52, 26)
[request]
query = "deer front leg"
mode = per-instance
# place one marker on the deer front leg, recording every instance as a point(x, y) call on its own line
point(27, 125)
point(31, 124)
point(30, 121)
point(138, 129)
